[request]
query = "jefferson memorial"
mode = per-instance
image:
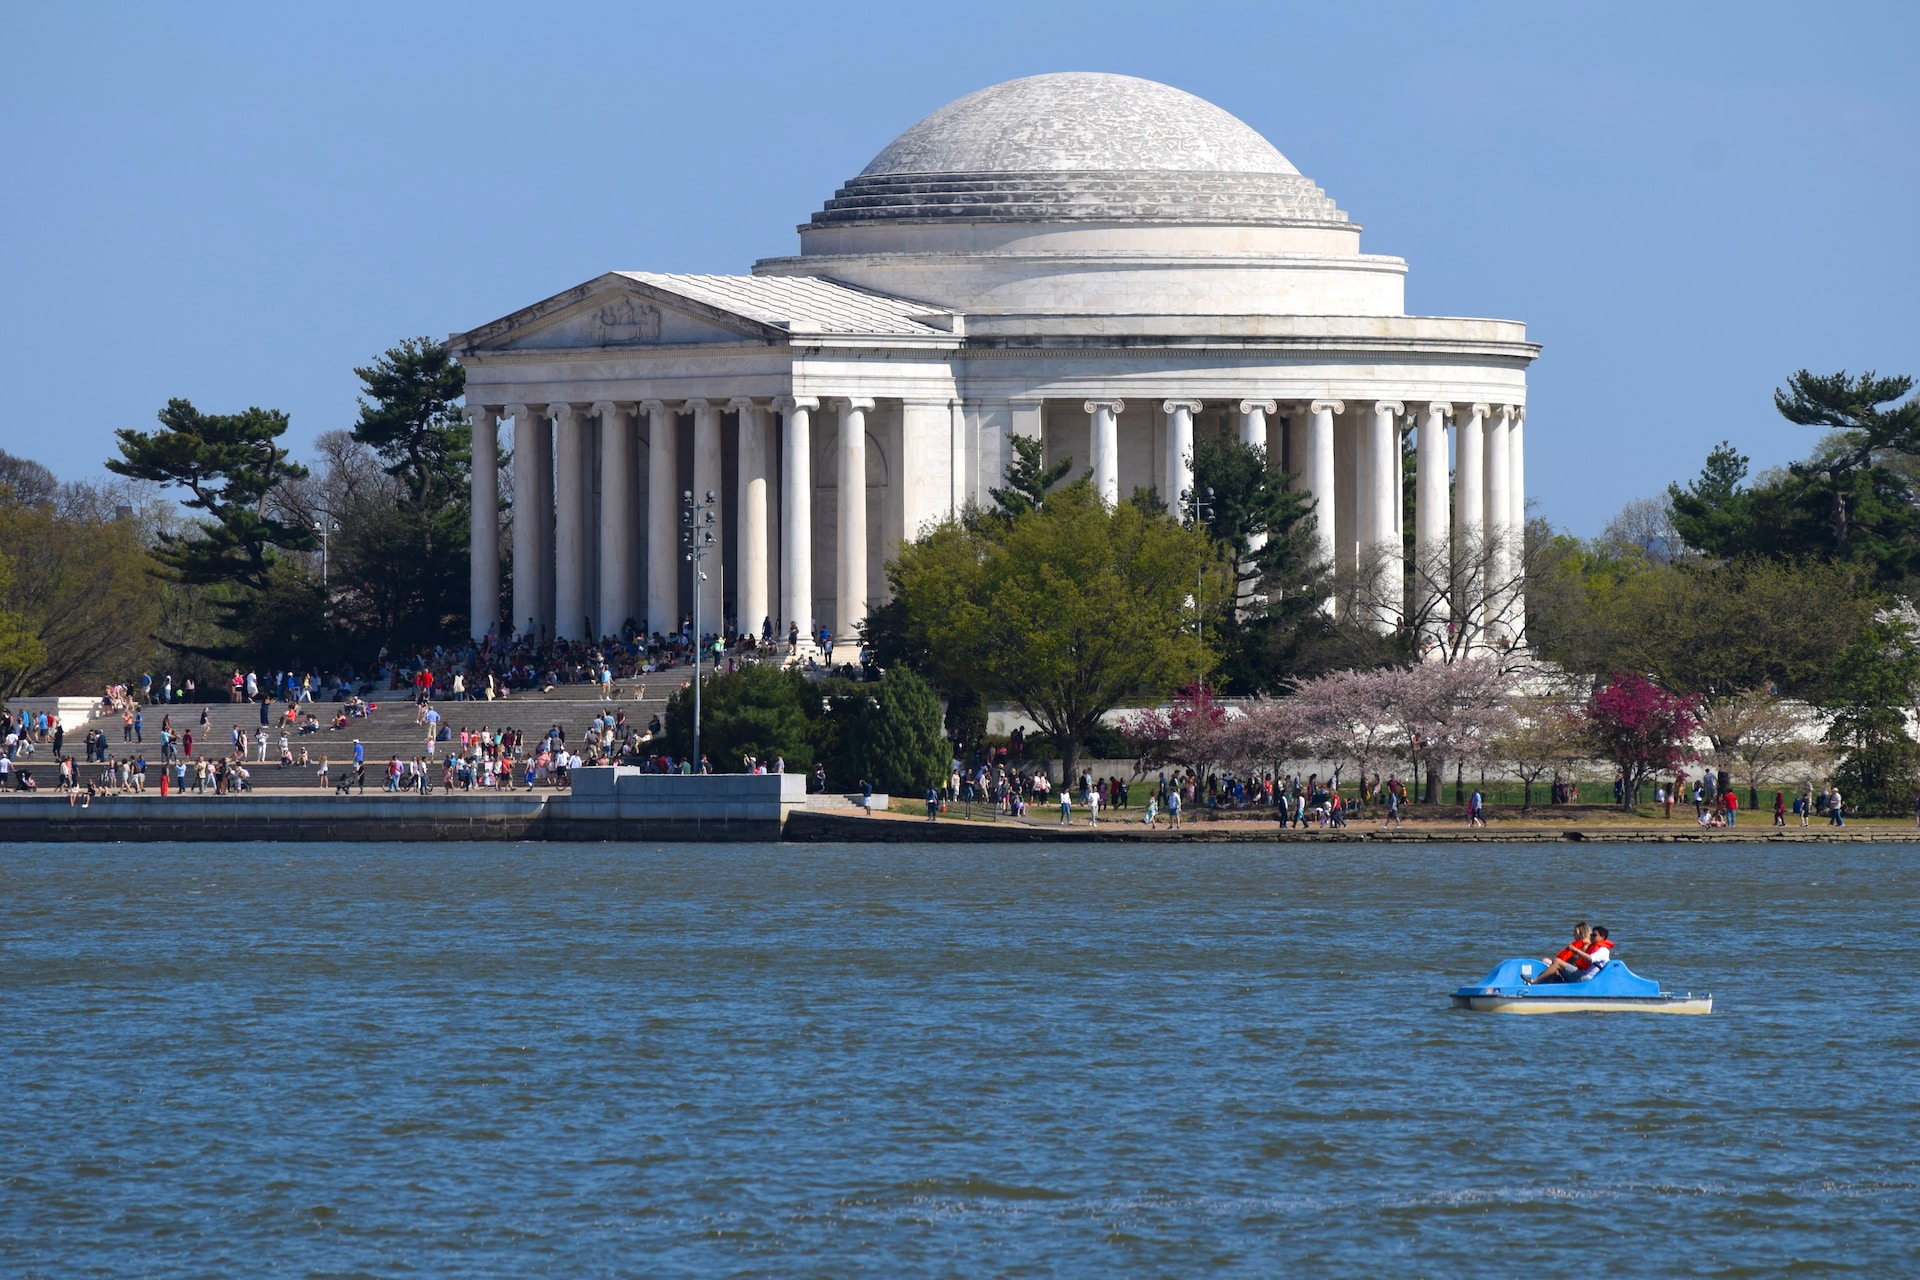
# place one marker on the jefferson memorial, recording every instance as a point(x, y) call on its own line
point(1108, 264)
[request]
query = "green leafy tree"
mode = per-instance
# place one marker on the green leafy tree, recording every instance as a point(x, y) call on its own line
point(1066, 611)
point(759, 711)
point(411, 417)
point(1871, 423)
point(21, 651)
point(1265, 526)
point(1028, 477)
point(229, 464)
point(1868, 693)
point(82, 587)
point(890, 733)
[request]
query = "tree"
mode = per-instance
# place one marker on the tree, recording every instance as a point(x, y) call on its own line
point(229, 463)
point(414, 421)
point(81, 587)
point(1066, 611)
point(1193, 732)
point(759, 711)
point(1868, 694)
point(1028, 478)
point(1278, 629)
point(1641, 728)
point(20, 650)
point(1545, 737)
point(1453, 711)
point(1854, 407)
point(890, 734)
point(1761, 732)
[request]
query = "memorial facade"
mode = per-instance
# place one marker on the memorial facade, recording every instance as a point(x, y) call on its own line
point(1105, 263)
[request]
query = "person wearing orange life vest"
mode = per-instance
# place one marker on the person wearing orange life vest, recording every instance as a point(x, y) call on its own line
point(1571, 959)
point(1599, 952)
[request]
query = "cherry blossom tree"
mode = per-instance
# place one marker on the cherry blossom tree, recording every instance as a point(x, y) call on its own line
point(1641, 728)
point(1454, 711)
point(1191, 732)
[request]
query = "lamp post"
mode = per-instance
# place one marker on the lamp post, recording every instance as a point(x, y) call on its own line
point(1197, 509)
point(321, 527)
point(696, 535)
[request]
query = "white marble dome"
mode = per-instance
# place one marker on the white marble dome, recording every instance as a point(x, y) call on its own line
point(1076, 147)
point(1079, 121)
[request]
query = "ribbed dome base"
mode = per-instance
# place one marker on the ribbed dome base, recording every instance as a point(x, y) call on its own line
point(1148, 196)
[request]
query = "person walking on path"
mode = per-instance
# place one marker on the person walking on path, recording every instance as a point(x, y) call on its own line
point(1476, 811)
point(1780, 809)
point(1836, 816)
point(1066, 806)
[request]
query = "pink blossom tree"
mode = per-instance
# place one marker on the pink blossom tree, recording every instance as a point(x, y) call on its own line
point(1190, 732)
point(1454, 711)
point(1641, 728)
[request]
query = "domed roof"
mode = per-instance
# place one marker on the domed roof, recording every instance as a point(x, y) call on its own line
point(1080, 147)
point(1079, 121)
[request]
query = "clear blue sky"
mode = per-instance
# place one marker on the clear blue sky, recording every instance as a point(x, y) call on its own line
point(237, 204)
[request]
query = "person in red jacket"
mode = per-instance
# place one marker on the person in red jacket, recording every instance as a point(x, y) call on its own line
point(1571, 960)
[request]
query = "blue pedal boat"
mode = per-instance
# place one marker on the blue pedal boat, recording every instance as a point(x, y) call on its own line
point(1615, 989)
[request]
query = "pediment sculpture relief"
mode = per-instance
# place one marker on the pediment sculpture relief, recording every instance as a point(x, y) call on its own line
point(627, 321)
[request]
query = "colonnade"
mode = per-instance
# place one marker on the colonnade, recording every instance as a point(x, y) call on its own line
point(562, 526)
point(1466, 552)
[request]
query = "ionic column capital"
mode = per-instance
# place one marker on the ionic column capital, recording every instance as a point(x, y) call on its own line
point(696, 405)
point(560, 412)
point(1174, 406)
point(480, 415)
point(1503, 412)
point(651, 407)
point(518, 412)
point(1117, 406)
point(1393, 408)
point(788, 404)
point(1519, 412)
point(1327, 406)
point(854, 404)
point(604, 410)
point(1264, 406)
point(742, 404)
point(1439, 409)
point(1478, 410)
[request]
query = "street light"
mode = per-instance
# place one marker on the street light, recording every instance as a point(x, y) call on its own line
point(320, 527)
point(697, 536)
point(1196, 510)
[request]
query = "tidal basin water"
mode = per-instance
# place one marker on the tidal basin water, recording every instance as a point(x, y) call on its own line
point(597, 1060)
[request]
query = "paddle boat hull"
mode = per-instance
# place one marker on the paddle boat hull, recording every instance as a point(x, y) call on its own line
point(1615, 989)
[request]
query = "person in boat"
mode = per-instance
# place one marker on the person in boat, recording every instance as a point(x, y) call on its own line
point(1571, 961)
point(1599, 952)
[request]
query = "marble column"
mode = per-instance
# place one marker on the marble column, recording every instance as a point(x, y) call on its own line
point(531, 439)
point(1253, 434)
point(1105, 443)
point(1431, 550)
point(750, 519)
point(1317, 473)
point(1469, 518)
point(663, 517)
point(1383, 504)
point(796, 517)
point(1499, 511)
point(1179, 451)
point(619, 494)
point(1253, 422)
point(707, 480)
point(569, 529)
point(850, 585)
point(1517, 487)
point(483, 574)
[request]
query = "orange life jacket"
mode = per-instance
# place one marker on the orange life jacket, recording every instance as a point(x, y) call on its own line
point(1575, 953)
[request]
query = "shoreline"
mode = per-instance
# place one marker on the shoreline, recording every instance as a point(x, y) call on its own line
point(561, 816)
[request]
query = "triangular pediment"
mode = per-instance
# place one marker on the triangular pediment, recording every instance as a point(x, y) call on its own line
point(613, 310)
